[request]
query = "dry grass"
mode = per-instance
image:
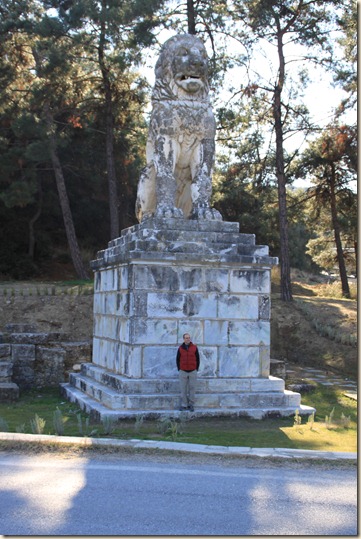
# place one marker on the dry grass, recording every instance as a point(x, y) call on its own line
point(318, 328)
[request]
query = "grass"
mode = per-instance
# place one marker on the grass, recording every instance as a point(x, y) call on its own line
point(331, 331)
point(334, 427)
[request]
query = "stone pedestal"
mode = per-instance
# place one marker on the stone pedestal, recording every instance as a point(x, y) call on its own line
point(165, 277)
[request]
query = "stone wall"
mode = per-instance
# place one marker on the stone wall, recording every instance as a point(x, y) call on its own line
point(31, 359)
point(140, 317)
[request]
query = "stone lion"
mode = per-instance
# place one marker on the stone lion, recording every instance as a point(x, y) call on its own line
point(177, 181)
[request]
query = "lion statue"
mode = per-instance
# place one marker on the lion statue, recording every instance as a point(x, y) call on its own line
point(177, 181)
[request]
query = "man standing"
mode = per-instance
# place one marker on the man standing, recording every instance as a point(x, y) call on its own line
point(188, 365)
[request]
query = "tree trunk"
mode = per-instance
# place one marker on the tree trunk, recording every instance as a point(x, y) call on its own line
point(286, 292)
point(31, 247)
point(109, 120)
point(336, 231)
point(64, 200)
point(191, 18)
point(112, 179)
point(60, 184)
point(356, 264)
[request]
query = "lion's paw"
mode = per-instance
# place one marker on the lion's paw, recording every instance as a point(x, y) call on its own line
point(168, 212)
point(206, 213)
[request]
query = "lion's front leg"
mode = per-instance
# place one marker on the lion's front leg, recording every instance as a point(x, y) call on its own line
point(165, 154)
point(201, 188)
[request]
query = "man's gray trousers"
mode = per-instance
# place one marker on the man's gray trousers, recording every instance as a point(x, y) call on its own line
point(188, 382)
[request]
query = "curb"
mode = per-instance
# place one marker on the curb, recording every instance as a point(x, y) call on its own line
point(175, 446)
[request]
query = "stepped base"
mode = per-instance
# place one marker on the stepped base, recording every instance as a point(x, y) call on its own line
point(102, 393)
point(99, 412)
point(161, 279)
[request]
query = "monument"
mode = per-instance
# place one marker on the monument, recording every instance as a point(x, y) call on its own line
point(181, 269)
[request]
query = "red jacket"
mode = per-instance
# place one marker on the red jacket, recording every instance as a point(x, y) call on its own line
point(188, 359)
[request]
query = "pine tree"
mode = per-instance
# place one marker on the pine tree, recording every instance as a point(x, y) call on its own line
point(113, 33)
point(279, 22)
point(330, 163)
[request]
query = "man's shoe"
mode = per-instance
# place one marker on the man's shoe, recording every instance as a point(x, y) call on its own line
point(191, 408)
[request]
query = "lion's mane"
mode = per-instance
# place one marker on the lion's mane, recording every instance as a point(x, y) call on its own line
point(165, 87)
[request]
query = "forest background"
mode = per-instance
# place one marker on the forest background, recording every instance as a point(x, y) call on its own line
point(74, 105)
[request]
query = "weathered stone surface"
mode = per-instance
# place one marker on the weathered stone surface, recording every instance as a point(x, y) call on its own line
point(278, 368)
point(216, 332)
point(49, 365)
point(177, 180)
point(5, 351)
point(39, 359)
point(34, 338)
point(264, 307)
point(20, 328)
point(159, 362)
point(166, 298)
point(150, 331)
point(6, 370)
point(238, 306)
point(24, 373)
point(264, 362)
point(249, 332)
point(236, 362)
point(209, 362)
point(244, 280)
point(155, 238)
point(9, 392)
point(23, 352)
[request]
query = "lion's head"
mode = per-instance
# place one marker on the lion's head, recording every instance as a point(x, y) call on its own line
point(182, 69)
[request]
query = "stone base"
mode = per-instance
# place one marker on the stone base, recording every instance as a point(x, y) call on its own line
point(278, 368)
point(159, 280)
point(104, 394)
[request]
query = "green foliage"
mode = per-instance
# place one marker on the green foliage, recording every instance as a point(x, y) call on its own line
point(297, 420)
point(329, 418)
point(173, 427)
point(163, 424)
point(345, 421)
point(346, 69)
point(325, 399)
point(57, 60)
point(299, 238)
point(84, 429)
point(19, 193)
point(109, 424)
point(311, 420)
point(37, 425)
point(239, 199)
point(331, 205)
point(59, 64)
point(58, 422)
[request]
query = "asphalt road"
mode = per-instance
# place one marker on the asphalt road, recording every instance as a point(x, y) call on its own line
point(95, 494)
